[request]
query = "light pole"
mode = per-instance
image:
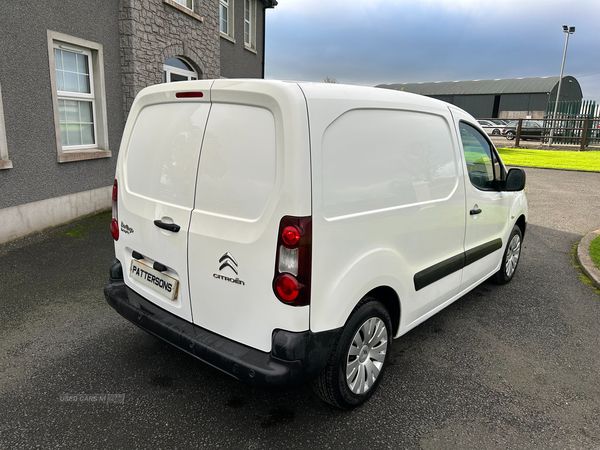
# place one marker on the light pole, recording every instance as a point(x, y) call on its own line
point(568, 30)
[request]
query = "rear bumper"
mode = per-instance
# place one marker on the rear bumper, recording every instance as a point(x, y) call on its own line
point(295, 358)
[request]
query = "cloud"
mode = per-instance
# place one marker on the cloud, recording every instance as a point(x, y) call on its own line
point(376, 41)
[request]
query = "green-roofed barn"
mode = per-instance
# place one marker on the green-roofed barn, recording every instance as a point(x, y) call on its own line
point(503, 99)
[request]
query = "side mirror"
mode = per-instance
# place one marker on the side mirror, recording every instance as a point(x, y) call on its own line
point(515, 180)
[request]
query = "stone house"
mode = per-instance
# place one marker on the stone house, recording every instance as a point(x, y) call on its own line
point(69, 72)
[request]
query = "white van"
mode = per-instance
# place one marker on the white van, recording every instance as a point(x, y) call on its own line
point(286, 232)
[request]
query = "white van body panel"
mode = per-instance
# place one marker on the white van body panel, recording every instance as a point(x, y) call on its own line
point(254, 170)
point(365, 230)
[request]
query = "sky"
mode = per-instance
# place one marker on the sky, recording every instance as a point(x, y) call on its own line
point(369, 42)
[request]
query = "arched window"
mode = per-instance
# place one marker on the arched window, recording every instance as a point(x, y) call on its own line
point(176, 69)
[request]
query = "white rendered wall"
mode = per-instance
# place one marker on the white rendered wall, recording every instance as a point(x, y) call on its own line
point(21, 220)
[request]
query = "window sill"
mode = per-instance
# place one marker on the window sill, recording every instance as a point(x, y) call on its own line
point(227, 37)
point(5, 164)
point(83, 155)
point(184, 10)
point(250, 49)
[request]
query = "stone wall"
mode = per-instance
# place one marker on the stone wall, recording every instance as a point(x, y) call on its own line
point(153, 31)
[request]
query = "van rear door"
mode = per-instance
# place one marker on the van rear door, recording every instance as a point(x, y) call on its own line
point(156, 194)
point(254, 170)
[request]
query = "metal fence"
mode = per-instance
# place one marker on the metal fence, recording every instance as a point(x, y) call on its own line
point(576, 123)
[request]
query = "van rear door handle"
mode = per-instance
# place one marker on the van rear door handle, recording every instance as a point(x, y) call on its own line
point(167, 226)
point(473, 212)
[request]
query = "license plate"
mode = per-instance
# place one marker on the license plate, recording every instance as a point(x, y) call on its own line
point(148, 276)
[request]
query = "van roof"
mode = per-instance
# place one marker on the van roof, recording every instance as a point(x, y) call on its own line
point(362, 93)
point(311, 90)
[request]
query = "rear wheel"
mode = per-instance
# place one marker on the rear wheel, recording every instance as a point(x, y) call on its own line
point(359, 358)
point(511, 257)
point(496, 132)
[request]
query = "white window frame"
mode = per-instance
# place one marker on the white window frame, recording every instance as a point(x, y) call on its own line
point(251, 22)
point(94, 52)
point(168, 70)
point(181, 5)
point(5, 163)
point(79, 96)
point(184, 3)
point(229, 6)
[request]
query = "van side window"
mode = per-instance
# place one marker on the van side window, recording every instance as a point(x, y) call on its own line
point(483, 164)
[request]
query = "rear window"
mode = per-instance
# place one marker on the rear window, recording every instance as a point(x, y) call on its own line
point(379, 159)
point(162, 157)
point(238, 161)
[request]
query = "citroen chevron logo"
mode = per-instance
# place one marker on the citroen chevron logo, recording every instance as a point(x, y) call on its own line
point(227, 260)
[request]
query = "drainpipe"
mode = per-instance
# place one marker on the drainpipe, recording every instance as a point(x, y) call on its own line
point(268, 4)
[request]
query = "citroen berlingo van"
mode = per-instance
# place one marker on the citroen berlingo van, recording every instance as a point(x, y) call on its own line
point(287, 232)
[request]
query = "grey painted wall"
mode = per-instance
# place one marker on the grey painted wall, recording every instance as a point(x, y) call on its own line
point(26, 92)
point(236, 61)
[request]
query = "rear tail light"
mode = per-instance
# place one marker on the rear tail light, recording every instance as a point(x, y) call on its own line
point(114, 223)
point(291, 283)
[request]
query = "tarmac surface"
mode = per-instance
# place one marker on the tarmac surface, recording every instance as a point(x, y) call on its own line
point(514, 366)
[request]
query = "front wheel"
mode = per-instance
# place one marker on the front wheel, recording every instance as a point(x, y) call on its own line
point(512, 254)
point(359, 358)
point(510, 135)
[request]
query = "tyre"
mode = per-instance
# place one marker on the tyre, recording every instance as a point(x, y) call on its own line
point(510, 135)
point(359, 358)
point(496, 132)
point(511, 257)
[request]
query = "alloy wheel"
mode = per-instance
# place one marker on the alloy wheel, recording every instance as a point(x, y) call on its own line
point(512, 255)
point(366, 355)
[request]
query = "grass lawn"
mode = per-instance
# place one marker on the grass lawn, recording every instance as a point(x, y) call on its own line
point(595, 251)
point(553, 159)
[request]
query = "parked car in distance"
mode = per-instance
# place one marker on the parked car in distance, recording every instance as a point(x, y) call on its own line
point(531, 129)
point(490, 127)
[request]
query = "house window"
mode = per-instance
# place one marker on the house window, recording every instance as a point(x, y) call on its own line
point(187, 3)
point(250, 24)
point(75, 96)
point(77, 79)
point(226, 18)
point(176, 69)
point(5, 163)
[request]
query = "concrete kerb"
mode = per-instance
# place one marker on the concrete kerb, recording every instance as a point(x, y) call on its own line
point(583, 255)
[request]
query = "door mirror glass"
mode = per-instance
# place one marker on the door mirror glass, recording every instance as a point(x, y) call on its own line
point(515, 180)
